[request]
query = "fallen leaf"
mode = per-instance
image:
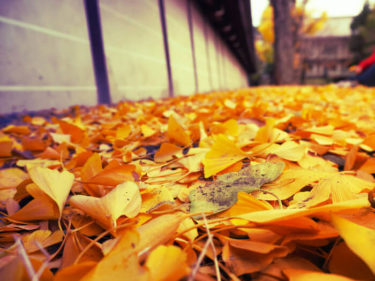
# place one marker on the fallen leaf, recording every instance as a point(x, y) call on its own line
point(308, 275)
point(222, 193)
point(124, 199)
point(358, 238)
point(177, 133)
point(223, 154)
point(161, 263)
point(53, 183)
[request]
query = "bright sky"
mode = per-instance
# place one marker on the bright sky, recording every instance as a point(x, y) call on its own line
point(334, 8)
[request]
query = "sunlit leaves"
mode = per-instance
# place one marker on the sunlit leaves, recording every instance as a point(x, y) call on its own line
point(103, 193)
point(124, 199)
point(358, 238)
point(223, 154)
point(161, 263)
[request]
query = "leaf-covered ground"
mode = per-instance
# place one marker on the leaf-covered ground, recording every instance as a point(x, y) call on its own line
point(267, 184)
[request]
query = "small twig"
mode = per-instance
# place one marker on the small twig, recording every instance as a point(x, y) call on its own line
point(210, 238)
point(203, 253)
point(274, 195)
point(25, 258)
point(40, 246)
point(199, 261)
point(82, 227)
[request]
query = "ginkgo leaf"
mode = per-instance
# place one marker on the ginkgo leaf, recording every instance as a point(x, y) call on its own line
point(121, 263)
point(264, 133)
point(6, 145)
point(114, 175)
point(124, 199)
point(92, 167)
point(291, 151)
point(53, 183)
point(308, 275)
point(229, 127)
point(222, 193)
point(344, 262)
point(74, 244)
point(147, 131)
point(166, 152)
point(177, 133)
point(223, 154)
point(159, 230)
point(286, 214)
point(45, 238)
point(161, 263)
point(358, 238)
point(246, 203)
point(290, 182)
point(338, 188)
point(250, 256)
point(123, 132)
point(10, 178)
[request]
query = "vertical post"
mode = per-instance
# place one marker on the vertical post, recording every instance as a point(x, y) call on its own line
point(191, 32)
point(166, 47)
point(216, 43)
point(97, 51)
point(205, 32)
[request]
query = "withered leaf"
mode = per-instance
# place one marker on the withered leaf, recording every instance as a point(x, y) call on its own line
point(222, 193)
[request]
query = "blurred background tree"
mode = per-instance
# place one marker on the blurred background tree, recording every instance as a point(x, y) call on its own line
point(362, 40)
point(301, 24)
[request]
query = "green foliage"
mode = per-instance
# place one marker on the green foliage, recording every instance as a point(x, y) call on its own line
point(362, 40)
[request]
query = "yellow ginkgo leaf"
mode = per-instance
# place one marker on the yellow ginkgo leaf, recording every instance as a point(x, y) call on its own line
point(10, 178)
point(291, 151)
point(309, 275)
point(124, 199)
point(229, 127)
point(177, 133)
point(41, 208)
point(53, 183)
point(338, 187)
point(44, 237)
point(359, 239)
point(147, 131)
point(121, 263)
point(223, 154)
point(161, 263)
point(290, 182)
point(166, 152)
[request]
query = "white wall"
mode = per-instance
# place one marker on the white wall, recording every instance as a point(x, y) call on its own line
point(45, 57)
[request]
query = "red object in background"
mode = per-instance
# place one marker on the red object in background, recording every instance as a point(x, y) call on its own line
point(367, 62)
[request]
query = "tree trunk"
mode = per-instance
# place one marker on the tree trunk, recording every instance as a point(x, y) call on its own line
point(283, 48)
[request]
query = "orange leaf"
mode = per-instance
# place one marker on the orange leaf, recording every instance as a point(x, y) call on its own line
point(177, 133)
point(166, 152)
point(11, 178)
point(113, 176)
point(344, 262)
point(159, 230)
point(76, 133)
point(124, 199)
point(162, 262)
point(308, 275)
point(223, 154)
point(6, 145)
point(121, 263)
point(358, 238)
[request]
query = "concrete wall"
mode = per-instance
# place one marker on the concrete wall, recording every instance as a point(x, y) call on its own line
point(45, 58)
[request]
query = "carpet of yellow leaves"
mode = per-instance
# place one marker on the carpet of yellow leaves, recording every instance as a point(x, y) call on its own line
point(103, 193)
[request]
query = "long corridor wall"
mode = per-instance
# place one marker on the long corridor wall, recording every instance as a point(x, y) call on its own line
point(46, 60)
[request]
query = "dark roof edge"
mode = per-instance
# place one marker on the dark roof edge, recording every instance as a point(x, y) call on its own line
point(231, 20)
